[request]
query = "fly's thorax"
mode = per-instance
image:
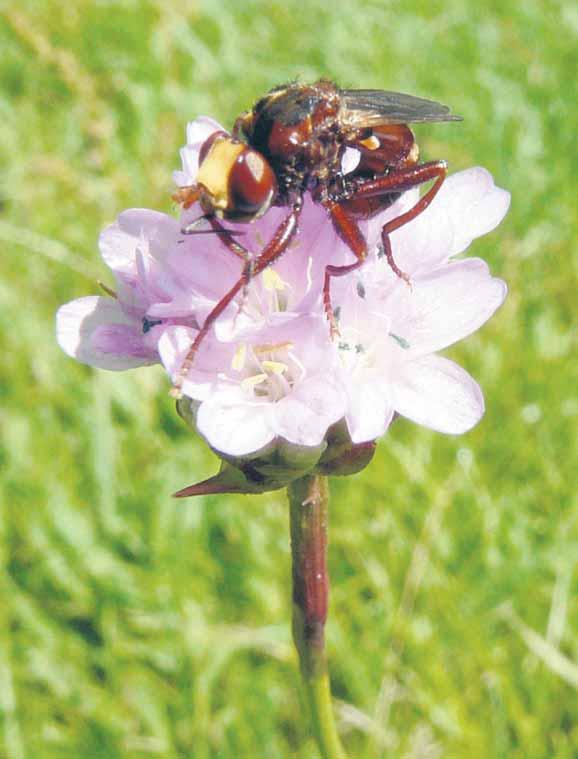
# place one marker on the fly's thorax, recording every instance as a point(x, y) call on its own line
point(294, 127)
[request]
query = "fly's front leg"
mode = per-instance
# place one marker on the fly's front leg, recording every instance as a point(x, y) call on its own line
point(401, 180)
point(280, 241)
point(226, 236)
point(176, 391)
point(270, 253)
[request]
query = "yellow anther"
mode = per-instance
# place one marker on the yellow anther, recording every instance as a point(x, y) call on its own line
point(275, 367)
point(250, 382)
point(271, 347)
point(272, 281)
point(238, 361)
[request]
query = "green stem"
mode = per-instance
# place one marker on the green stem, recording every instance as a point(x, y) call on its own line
point(308, 501)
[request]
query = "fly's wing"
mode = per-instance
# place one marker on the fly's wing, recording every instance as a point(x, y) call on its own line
point(288, 104)
point(367, 108)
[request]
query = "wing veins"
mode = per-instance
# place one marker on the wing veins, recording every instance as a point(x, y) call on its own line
point(361, 108)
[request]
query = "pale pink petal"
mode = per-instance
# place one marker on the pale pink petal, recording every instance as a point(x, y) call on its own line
point(474, 204)
point(136, 229)
point(211, 360)
point(234, 426)
point(302, 267)
point(197, 133)
point(202, 128)
point(439, 394)
point(203, 264)
point(467, 206)
point(182, 306)
point(173, 347)
point(159, 229)
point(235, 323)
point(190, 162)
point(95, 331)
point(445, 305)
point(425, 242)
point(181, 178)
point(304, 416)
point(369, 412)
point(401, 205)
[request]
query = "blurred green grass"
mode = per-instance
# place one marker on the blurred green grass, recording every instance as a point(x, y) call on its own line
point(135, 626)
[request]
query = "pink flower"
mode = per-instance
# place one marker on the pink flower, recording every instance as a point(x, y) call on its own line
point(268, 373)
point(165, 278)
point(117, 333)
point(279, 382)
point(390, 332)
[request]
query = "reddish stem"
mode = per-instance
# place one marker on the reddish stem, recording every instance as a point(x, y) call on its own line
point(309, 503)
point(308, 499)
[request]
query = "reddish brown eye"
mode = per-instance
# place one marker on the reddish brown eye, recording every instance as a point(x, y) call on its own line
point(252, 186)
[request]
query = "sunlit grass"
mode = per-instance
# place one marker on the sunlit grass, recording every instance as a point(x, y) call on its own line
point(135, 626)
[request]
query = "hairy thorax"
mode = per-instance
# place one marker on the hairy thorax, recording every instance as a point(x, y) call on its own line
point(297, 129)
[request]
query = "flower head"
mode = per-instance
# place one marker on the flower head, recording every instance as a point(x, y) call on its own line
point(268, 377)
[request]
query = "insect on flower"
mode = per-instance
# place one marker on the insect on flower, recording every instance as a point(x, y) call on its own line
point(293, 141)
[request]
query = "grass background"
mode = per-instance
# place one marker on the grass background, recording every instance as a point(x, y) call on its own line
point(135, 626)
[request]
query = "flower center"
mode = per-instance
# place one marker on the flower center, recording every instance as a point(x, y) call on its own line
point(268, 371)
point(356, 350)
point(266, 294)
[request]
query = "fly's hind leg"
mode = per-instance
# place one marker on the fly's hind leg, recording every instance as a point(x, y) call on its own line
point(348, 229)
point(401, 180)
point(346, 226)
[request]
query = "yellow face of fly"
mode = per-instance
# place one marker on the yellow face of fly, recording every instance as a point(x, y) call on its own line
point(214, 171)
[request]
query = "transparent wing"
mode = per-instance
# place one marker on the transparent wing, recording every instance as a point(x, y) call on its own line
point(361, 108)
point(289, 105)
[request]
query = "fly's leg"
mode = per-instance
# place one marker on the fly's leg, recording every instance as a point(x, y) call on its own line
point(227, 238)
point(399, 180)
point(348, 229)
point(274, 249)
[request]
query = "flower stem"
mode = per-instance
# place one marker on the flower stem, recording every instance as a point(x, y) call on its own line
point(308, 501)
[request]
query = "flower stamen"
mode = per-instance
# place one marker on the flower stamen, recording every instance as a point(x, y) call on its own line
point(108, 290)
point(259, 350)
point(250, 382)
point(275, 367)
point(238, 362)
point(272, 281)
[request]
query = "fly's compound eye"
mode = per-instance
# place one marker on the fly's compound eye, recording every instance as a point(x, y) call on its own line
point(252, 186)
point(235, 182)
